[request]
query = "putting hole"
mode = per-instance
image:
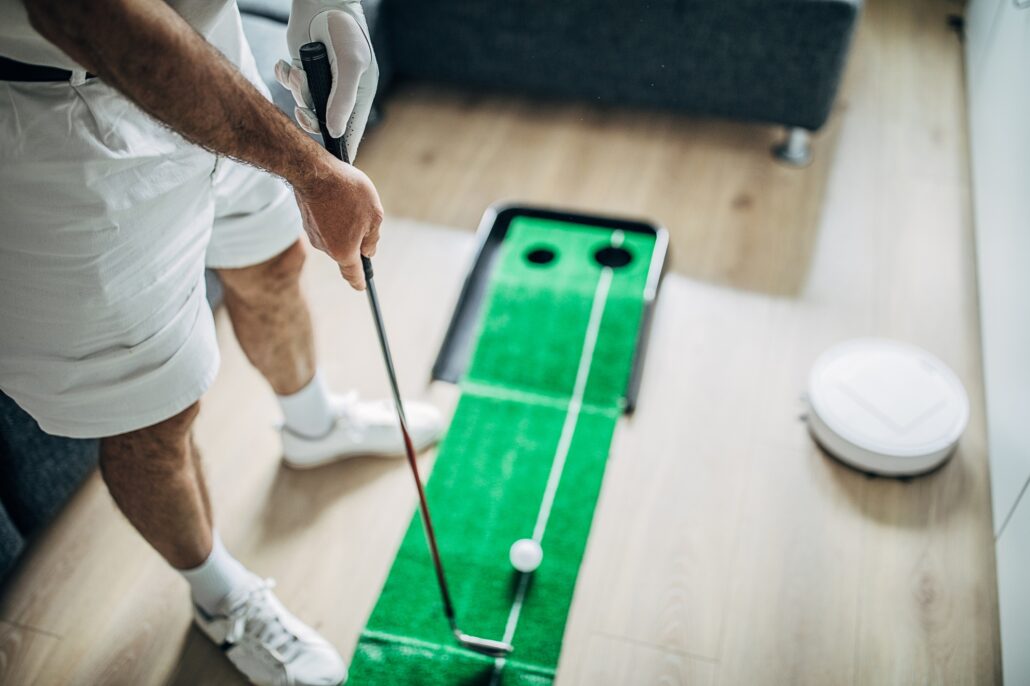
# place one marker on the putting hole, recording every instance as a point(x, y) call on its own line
point(613, 257)
point(540, 255)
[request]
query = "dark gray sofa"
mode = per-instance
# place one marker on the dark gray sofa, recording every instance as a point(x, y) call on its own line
point(771, 61)
point(38, 473)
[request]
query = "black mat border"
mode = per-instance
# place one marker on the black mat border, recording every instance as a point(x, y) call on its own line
point(453, 357)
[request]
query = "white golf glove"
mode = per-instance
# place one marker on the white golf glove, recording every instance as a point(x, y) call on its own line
point(340, 25)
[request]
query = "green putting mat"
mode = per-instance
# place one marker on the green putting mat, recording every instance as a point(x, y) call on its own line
point(539, 403)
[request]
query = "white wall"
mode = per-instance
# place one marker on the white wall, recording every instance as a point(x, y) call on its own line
point(1014, 595)
point(998, 83)
point(998, 68)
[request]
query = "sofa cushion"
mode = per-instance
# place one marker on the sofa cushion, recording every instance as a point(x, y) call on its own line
point(777, 62)
point(277, 10)
point(267, 38)
point(38, 472)
point(11, 542)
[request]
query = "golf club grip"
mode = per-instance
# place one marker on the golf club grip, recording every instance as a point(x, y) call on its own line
point(315, 59)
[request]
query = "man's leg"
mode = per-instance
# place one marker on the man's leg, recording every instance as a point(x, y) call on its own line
point(271, 319)
point(273, 325)
point(154, 476)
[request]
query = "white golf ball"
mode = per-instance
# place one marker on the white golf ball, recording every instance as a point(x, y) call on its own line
point(526, 555)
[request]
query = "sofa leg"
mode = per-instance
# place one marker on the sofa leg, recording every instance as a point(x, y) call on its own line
point(796, 148)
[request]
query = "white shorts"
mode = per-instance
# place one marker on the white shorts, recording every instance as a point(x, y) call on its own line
point(108, 221)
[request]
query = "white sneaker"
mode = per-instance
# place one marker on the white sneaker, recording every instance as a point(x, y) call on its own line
point(362, 428)
point(267, 643)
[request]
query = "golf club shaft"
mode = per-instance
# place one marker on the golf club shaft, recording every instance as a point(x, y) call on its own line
point(316, 67)
point(423, 504)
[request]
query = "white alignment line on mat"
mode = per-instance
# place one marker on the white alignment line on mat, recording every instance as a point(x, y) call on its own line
point(568, 429)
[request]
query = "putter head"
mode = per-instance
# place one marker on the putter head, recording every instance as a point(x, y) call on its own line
point(483, 646)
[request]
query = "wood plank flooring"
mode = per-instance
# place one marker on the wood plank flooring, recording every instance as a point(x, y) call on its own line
point(726, 549)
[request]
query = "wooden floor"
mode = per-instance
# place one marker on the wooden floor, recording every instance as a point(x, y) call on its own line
point(726, 549)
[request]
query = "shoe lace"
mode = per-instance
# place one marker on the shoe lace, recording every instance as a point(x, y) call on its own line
point(256, 618)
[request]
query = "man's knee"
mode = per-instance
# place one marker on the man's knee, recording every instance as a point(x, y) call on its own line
point(167, 440)
point(267, 279)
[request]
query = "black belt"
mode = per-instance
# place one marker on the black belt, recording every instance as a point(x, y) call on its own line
point(13, 70)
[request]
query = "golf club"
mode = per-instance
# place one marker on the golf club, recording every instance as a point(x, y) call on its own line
point(316, 67)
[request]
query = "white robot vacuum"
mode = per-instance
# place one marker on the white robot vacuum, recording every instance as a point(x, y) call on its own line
point(885, 407)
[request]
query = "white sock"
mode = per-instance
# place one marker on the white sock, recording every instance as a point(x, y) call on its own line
point(218, 576)
point(308, 412)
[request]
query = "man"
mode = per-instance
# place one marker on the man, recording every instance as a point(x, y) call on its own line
point(109, 218)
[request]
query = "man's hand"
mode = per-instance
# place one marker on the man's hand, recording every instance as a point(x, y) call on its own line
point(344, 191)
point(150, 54)
point(340, 25)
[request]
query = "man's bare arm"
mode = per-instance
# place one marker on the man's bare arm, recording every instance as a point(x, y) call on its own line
point(152, 55)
